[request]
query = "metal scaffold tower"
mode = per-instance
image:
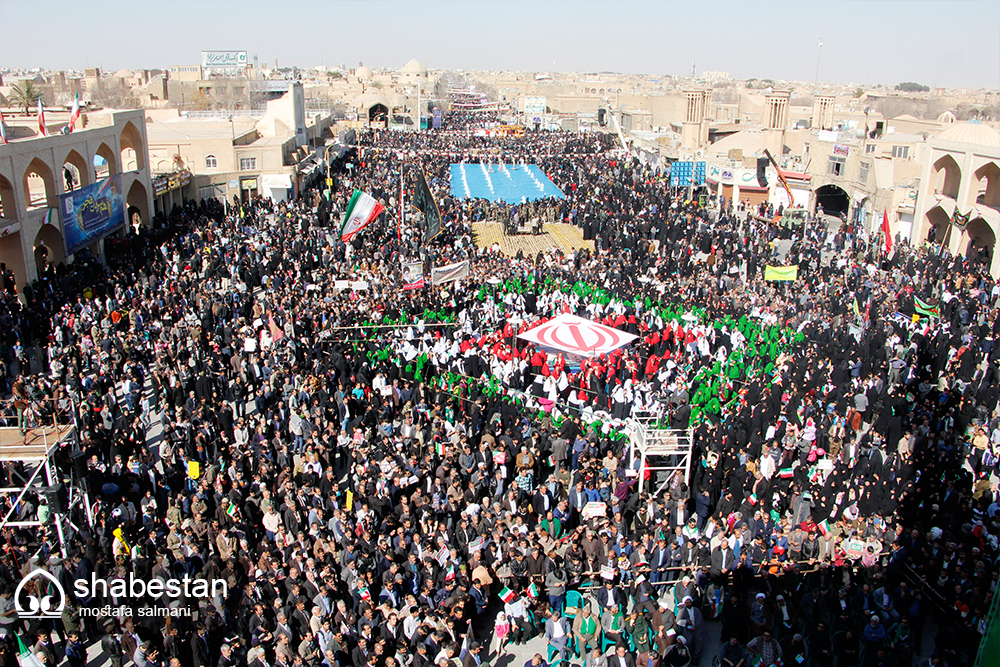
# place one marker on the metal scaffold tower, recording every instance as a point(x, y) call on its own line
point(29, 460)
point(664, 452)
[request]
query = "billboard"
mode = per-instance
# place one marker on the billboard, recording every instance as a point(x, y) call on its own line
point(224, 60)
point(91, 213)
point(534, 106)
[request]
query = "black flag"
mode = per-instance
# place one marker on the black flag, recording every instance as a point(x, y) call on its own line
point(423, 200)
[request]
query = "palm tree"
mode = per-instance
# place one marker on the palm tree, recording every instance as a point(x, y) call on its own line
point(26, 94)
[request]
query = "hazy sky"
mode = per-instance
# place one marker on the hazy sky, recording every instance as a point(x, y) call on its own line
point(954, 43)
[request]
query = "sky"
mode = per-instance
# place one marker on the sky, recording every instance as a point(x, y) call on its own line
point(940, 44)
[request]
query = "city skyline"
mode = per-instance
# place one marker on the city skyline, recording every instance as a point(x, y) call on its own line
point(864, 43)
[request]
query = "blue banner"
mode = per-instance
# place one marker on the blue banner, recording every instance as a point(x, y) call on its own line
point(91, 213)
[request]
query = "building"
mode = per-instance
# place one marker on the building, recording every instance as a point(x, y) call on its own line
point(961, 177)
point(211, 154)
point(37, 171)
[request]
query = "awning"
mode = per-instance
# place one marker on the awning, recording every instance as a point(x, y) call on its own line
point(275, 181)
point(574, 335)
point(749, 188)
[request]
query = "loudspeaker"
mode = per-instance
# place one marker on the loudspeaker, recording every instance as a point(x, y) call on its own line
point(762, 171)
point(602, 119)
point(79, 461)
point(55, 496)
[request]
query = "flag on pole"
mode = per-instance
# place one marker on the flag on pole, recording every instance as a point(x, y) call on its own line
point(533, 591)
point(74, 116)
point(361, 210)
point(450, 574)
point(824, 527)
point(3, 129)
point(231, 510)
point(25, 657)
point(41, 119)
point(364, 594)
point(507, 595)
point(786, 473)
point(885, 231)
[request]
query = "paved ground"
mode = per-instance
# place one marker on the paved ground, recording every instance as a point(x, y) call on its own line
point(561, 235)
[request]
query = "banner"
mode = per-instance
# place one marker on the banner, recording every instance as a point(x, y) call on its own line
point(424, 202)
point(781, 272)
point(446, 274)
point(413, 275)
point(91, 213)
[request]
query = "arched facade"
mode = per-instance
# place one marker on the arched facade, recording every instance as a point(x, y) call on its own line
point(48, 245)
point(947, 177)
point(32, 180)
point(40, 186)
point(132, 140)
point(110, 158)
point(937, 220)
point(136, 202)
point(8, 201)
point(79, 168)
point(834, 200)
point(986, 186)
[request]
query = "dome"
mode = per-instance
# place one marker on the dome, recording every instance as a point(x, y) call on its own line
point(947, 118)
point(414, 67)
point(972, 132)
point(364, 74)
point(370, 99)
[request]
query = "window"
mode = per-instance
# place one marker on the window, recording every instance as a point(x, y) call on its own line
point(211, 162)
point(836, 165)
point(870, 148)
point(248, 163)
point(901, 151)
point(863, 173)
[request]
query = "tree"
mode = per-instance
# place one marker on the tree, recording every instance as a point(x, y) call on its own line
point(114, 93)
point(26, 93)
point(911, 87)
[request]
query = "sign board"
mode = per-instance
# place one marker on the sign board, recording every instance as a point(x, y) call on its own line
point(436, 118)
point(854, 548)
point(534, 106)
point(224, 60)
point(234, 183)
point(593, 509)
point(248, 184)
point(91, 213)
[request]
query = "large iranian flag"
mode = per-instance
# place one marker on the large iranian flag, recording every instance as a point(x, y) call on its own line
point(361, 210)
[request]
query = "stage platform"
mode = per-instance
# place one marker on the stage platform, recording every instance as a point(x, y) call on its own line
point(33, 446)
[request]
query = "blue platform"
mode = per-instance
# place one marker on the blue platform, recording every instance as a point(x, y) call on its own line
point(504, 183)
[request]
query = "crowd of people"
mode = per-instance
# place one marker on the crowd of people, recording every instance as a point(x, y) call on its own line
point(392, 477)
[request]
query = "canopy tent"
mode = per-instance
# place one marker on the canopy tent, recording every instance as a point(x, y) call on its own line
point(577, 336)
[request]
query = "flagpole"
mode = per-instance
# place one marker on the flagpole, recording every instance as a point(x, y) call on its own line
point(402, 215)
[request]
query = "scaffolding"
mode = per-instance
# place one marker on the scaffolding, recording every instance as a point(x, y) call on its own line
point(664, 452)
point(35, 451)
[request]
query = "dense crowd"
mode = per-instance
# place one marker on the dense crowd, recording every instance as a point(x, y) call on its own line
point(388, 477)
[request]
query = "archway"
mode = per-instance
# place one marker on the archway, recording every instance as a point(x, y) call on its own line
point(947, 177)
point(10, 250)
point(138, 206)
point(133, 152)
point(937, 224)
point(8, 207)
point(833, 200)
point(378, 113)
point(40, 186)
point(982, 240)
point(75, 174)
point(109, 167)
point(49, 248)
point(986, 188)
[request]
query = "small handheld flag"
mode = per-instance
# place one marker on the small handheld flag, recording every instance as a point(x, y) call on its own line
point(507, 595)
point(533, 591)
